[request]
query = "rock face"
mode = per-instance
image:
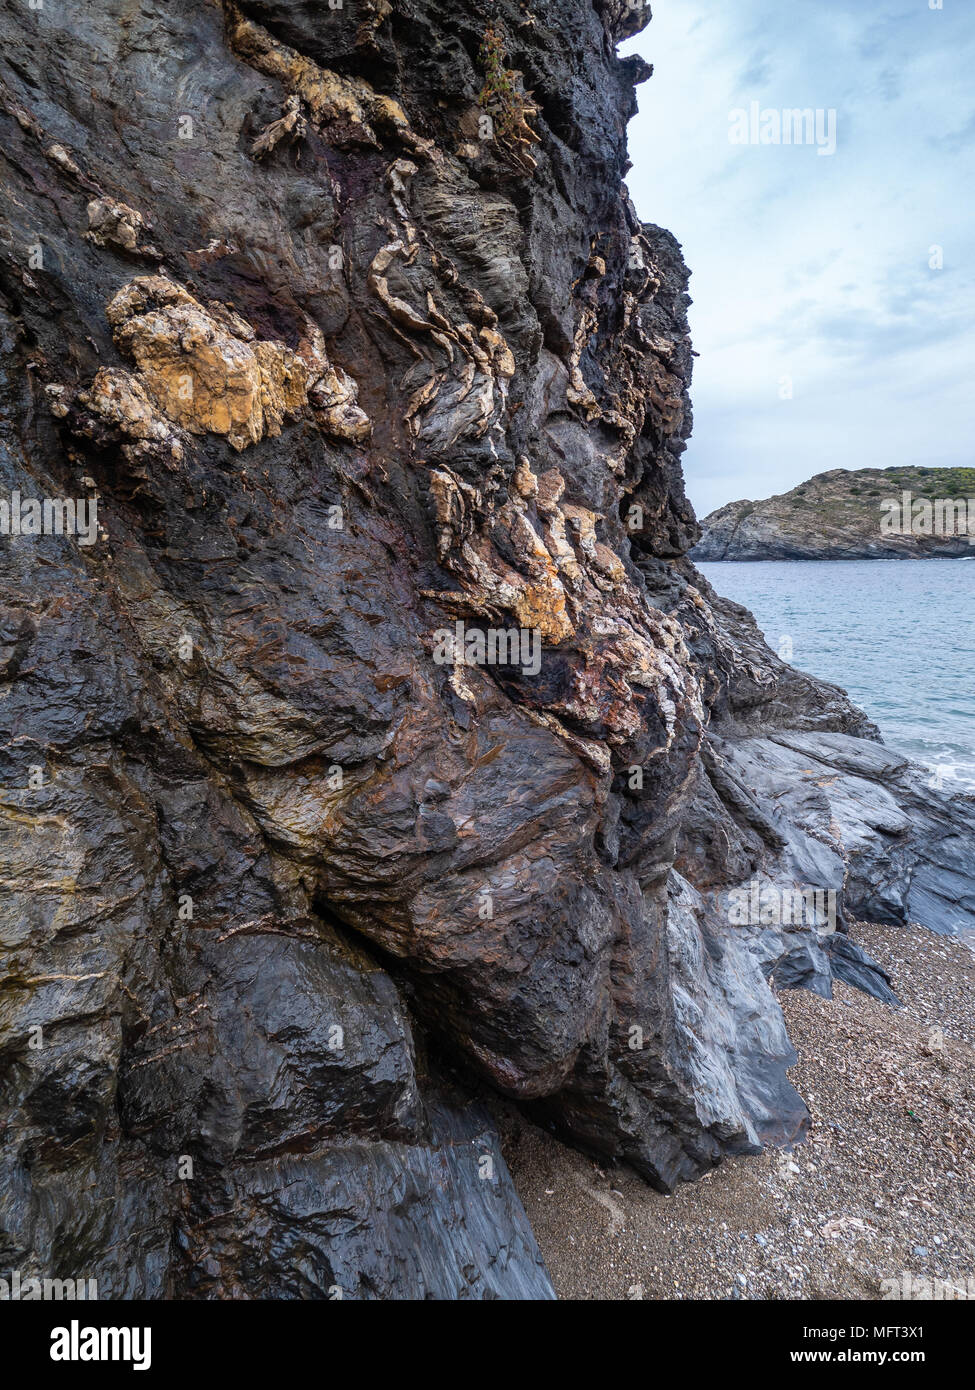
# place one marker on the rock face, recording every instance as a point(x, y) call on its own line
point(384, 747)
point(863, 514)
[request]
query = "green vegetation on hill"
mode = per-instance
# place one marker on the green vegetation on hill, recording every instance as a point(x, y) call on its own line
point(837, 513)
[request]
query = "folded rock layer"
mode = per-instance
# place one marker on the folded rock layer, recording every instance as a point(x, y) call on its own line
point(382, 747)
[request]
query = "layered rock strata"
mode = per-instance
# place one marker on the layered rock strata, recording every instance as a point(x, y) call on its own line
point(345, 358)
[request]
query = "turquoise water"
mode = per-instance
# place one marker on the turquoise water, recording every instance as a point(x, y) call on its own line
point(899, 635)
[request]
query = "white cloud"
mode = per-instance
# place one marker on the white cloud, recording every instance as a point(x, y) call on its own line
point(808, 267)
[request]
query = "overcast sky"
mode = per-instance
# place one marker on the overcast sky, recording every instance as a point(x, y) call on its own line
point(816, 267)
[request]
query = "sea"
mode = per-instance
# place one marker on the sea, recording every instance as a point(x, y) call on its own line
point(898, 635)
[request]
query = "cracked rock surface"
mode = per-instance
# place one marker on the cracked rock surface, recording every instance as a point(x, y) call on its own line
point(848, 514)
point(289, 875)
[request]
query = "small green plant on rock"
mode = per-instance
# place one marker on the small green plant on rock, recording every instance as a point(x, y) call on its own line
point(509, 107)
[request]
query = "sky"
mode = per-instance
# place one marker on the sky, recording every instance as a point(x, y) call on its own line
point(827, 338)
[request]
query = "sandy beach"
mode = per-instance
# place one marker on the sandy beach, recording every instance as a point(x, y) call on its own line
point(882, 1187)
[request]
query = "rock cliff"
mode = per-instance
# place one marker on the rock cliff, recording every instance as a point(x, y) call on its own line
point(380, 749)
point(861, 514)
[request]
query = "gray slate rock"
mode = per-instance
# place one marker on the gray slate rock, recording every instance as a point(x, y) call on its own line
point(343, 372)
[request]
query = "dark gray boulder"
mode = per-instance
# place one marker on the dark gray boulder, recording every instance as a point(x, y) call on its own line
point(345, 319)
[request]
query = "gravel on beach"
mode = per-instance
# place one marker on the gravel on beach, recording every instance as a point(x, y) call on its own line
point(882, 1188)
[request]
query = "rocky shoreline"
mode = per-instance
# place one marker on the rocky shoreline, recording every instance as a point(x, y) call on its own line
point(360, 337)
point(851, 514)
point(875, 1205)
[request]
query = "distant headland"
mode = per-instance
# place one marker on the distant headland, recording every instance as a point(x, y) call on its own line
point(861, 514)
